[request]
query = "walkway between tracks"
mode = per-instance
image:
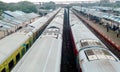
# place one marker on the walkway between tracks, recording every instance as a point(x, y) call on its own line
point(68, 63)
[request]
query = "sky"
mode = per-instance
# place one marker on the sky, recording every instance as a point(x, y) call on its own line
point(8, 1)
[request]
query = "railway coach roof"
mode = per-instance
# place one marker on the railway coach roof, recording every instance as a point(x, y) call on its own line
point(39, 22)
point(9, 44)
point(58, 22)
point(80, 31)
point(101, 66)
point(45, 55)
point(43, 20)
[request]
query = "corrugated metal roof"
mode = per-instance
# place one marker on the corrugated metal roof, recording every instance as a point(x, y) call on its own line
point(117, 9)
point(4, 27)
point(98, 13)
point(6, 23)
point(102, 8)
point(19, 16)
point(32, 15)
point(14, 13)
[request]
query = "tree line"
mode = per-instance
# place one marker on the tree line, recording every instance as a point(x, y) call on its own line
point(24, 6)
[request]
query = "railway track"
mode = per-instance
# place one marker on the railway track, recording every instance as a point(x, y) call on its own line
point(101, 37)
point(68, 63)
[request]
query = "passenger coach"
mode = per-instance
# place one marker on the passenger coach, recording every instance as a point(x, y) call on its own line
point(14, 46)
point(45, 54)
point(92, 54)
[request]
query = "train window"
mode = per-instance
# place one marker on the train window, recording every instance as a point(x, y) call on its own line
point(18, 57)
point(97, 54)
point(27, 47)
point(23, 51)
point(11, 64)
point(3, 70)
point(90, 42)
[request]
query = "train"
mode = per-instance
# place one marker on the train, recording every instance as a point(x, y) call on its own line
point(14, 46)
point(92, 55)
point(45, 53)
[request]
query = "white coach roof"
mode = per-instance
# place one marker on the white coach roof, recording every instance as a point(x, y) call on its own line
point(9, 44)
point(44, 56)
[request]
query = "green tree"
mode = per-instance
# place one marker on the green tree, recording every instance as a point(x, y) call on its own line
point(49, 5)
point(24, 6)
point(2, 7)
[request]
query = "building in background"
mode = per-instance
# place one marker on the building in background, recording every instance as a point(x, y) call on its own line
point(105, 1)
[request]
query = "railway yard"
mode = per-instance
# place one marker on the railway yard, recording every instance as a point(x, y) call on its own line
point(65, 40)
